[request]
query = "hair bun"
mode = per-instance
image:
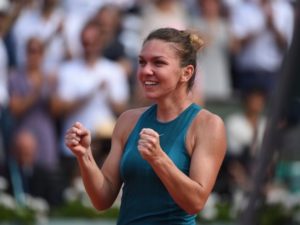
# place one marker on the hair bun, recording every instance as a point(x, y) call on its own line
point(196, 41)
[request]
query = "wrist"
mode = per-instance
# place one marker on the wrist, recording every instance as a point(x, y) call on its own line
point(85, 156)
point(160, 161)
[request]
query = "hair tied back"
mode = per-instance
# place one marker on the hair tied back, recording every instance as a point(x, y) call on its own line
point(196, 41)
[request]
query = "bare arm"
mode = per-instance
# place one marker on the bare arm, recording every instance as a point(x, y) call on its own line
point(208, 150)
point(102, 185)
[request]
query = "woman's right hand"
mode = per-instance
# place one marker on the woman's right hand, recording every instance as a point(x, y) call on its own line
point(78, 139)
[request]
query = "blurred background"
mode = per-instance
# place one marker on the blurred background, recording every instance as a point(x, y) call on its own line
point(63, 61)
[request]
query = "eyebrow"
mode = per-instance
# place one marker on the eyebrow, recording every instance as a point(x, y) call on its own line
point(155, 57)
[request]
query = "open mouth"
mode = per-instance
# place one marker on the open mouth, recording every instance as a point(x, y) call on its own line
point(150, 83)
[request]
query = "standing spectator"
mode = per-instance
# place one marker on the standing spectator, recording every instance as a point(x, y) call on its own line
point(163, 13)
point(110, 19)
point(30, 94)
point(262, 30)
point(46, 23)
point(77, 14)
point(215, 66)
point(91, 89)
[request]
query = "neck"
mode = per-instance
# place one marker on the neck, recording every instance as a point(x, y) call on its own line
point(169, 110)
point(211, 16)
point(91, 60)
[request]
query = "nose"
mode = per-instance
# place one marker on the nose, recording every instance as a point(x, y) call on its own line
point(145, 69)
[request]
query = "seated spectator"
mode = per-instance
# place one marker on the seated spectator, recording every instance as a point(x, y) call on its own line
point(28, 177)
point(245, 132)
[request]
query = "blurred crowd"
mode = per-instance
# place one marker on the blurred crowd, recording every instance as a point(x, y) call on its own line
point(75, 60)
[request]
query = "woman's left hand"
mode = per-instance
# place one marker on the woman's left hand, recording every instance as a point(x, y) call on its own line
point(149, 145)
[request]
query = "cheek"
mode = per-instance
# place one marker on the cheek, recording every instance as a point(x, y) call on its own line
point(139, 75)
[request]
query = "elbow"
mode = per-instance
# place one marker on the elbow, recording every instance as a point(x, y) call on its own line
point(99, 206)
point(195, 209)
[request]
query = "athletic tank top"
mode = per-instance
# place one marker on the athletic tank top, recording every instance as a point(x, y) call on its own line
point(145, 200)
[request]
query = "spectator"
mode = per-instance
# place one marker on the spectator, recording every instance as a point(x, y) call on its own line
point(26, 176)
point(46, 23)
point(29, 104)
point(92, 90)
point(215, 65)
point(109, 17)
point(262, 31)
point(163, 13)
point(77, 14)
point(245, 132)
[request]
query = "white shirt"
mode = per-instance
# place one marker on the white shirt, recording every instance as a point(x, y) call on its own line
point(240, 133)
point(105, 80)
point(262, 53)
point(32, 24)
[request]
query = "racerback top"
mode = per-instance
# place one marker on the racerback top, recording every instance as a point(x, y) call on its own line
point(145, 200)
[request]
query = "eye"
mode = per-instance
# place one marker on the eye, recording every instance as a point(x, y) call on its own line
point(159, 63)
point(142, 62)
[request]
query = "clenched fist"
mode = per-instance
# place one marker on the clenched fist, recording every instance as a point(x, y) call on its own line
point(149, 145)
point(78, 139)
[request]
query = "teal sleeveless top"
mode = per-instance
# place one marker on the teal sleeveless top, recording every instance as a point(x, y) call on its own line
point(145, 200)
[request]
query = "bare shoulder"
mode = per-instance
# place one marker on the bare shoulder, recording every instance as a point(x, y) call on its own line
point(131, 115)
point(127, 121)
point(207, 128)
point(208, 120)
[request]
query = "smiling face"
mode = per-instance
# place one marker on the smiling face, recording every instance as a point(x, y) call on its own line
point(159, 72)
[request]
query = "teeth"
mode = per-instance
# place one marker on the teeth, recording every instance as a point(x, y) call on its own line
point(150, 83)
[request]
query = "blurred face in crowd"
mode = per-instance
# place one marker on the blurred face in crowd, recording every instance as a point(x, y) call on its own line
point(25, 148)
point(34, 52)
point(49, 4)
point(164, 4)
point(159, 69)
point(210, 7)
point(91, 41)
point(109, 18)
point(255, 102)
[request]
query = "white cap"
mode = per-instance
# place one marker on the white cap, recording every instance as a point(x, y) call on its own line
point(4, 5)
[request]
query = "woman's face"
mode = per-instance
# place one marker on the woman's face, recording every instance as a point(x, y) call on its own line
point(34, 52)
point(159, 69)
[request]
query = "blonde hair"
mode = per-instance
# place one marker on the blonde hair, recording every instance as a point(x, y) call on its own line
point(196, 40)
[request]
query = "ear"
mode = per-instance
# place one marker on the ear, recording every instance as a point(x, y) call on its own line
point(187, 73)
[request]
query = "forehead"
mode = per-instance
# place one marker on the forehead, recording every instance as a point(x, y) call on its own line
point(159, 48)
